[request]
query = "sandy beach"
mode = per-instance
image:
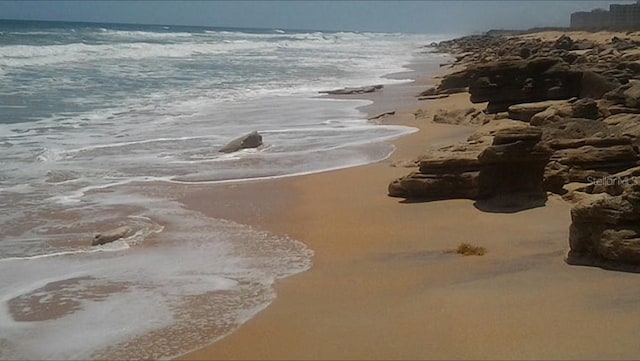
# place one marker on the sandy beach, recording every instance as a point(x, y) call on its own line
point(383, 284)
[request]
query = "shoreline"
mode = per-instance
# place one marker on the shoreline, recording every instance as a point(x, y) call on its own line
point(383, 285)
point(257, 202)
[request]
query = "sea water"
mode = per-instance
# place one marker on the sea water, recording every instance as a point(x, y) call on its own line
point(98, 120)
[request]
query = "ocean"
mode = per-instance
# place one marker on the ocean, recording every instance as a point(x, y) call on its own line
point(98, 122)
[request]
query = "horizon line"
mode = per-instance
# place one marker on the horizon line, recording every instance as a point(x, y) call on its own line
point(197, 26)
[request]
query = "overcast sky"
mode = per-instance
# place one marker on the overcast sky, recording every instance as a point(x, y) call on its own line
point(385, 16)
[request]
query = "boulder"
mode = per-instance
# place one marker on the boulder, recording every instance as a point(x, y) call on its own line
point(595, 86)
point(251, 140)
point(111, 235)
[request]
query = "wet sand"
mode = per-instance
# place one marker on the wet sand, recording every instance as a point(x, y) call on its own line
point(383, 285)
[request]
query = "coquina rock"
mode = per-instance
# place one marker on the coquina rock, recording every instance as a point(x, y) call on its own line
point(605, 229)
point(443, 178)
point(579, 108)
point(625, 125)
point(505, 83)
point(526, 111)
point(579, 159)
point(506, 70)
point(513, 165)
point(626, 96)
point(592, 133)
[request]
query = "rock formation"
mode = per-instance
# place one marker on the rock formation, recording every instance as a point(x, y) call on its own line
point(504, 83)
point(512, 166)
point(605, 229)
point(506, 70)
point(582, 103)
point(440, 178)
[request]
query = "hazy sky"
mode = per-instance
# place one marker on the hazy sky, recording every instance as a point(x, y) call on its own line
point(388, 16)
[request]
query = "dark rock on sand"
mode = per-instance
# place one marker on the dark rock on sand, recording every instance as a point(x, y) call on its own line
point(382, 115)
point(434, 97)
point(429, 92)
point(251, 140)
point(466, 116)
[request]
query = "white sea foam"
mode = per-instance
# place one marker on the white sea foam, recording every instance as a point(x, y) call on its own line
point(116, 246)
point(200, 258)
point(144, 34)
point(116, 125)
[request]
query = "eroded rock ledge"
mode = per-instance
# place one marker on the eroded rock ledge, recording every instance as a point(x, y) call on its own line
point(561, 117)
point(513, 165)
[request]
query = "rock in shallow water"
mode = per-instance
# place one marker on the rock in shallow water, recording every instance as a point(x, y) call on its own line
point(111, 235)
point(251, 140)
point(349, 91)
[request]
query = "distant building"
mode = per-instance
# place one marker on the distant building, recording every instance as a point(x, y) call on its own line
point(625, 17)
point(619, 17)
point(597, 19)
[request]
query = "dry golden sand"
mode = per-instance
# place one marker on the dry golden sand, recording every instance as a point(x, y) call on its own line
point(598, 36)
point(383, 285)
